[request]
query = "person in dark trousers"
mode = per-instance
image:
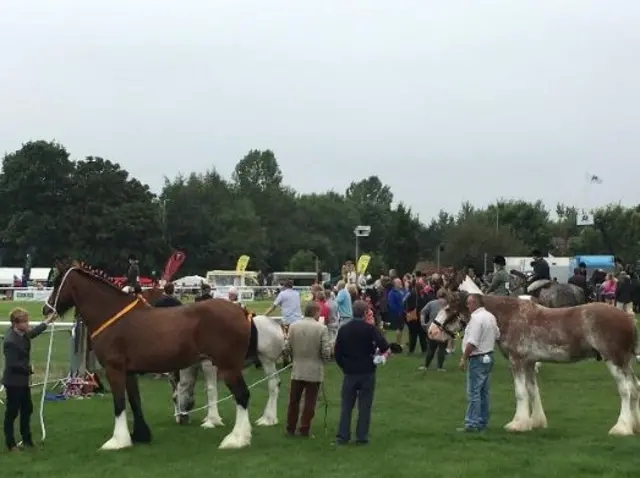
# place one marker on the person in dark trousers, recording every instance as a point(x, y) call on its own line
point(427, 314)
point(413, 304)
point(168, 299)
point(17, 369)
point(355, 349)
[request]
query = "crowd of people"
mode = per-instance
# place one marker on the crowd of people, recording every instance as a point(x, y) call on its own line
point(344, 322)
point(620, 288)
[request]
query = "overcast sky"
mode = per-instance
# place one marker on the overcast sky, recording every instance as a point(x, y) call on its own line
point(445, 100)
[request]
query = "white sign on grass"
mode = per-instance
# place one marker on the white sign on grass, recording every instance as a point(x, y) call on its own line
point(31, 295)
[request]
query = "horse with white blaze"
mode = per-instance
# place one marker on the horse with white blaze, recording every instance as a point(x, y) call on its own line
point(530, 332)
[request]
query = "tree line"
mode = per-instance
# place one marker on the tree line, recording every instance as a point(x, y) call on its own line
point(94, 210)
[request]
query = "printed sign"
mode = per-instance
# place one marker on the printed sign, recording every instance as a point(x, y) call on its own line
point(31, 295)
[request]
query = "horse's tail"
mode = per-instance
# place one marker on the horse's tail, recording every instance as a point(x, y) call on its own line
point(252, 351)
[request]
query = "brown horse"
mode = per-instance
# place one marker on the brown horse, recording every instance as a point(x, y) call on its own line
point(129, 338)
point(530, 332)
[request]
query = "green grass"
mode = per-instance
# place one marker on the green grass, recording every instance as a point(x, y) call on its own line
point(413, 432)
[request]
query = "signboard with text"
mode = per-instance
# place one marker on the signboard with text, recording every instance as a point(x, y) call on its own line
point(31, 295)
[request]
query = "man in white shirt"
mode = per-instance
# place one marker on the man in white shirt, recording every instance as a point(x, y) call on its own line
point(480, 337)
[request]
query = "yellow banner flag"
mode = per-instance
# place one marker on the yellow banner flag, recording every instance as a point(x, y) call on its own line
point(241, 265)
point(363, 263)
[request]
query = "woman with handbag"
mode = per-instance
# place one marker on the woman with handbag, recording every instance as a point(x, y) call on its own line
point(412, 307)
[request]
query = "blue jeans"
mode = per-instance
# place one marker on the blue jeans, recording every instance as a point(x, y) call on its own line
point(478, 373)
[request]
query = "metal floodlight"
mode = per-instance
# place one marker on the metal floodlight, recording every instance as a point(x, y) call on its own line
point(362, 231)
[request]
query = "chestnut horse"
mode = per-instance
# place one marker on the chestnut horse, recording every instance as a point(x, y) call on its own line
point(130, 338)
point(530, 332)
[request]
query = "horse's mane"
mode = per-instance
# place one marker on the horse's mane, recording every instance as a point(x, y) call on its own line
point(94, 273)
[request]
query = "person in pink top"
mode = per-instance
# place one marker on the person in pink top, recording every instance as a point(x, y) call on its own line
point(609, 289)
point(322, 304)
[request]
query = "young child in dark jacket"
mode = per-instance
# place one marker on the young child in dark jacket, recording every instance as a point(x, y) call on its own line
point(17, 370)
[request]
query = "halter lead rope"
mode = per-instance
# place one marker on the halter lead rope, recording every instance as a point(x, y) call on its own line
point(54, 308)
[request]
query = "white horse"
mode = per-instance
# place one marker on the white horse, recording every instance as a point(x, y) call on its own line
point(270, 346)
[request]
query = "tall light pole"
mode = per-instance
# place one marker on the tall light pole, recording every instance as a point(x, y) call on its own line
point(360, 231)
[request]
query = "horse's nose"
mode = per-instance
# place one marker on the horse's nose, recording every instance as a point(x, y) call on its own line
point(47, 309)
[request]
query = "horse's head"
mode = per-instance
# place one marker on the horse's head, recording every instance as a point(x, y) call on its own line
point(61, 298)
point(66, 283)
point(452, 318)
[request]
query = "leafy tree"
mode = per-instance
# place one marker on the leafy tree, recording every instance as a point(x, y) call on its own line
point(302, 261)
point(92, 209)
point(112, 208)
point(33, 189)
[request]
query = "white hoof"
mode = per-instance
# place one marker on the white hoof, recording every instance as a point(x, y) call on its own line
point(266, 421)
point(114, 444)
point(234, 441)
point(621, 430)
point(518, 426)
point(538, 366)
point(539, 422)
point(212, 422)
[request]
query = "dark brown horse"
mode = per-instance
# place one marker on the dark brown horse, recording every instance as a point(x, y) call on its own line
point(129, 338)
point(530, 332)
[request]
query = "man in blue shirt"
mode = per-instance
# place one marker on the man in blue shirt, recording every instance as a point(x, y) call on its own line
point(343, 301)
point(289, 302)
point(395, 309)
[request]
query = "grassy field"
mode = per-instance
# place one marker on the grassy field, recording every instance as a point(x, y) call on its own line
point(413, 431)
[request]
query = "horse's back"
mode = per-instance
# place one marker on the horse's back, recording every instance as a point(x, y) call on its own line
point(270, 336)
point(558, 295)
point(216, 328)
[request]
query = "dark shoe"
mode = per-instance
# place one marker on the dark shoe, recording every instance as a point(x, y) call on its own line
point(28, 444)
point(467, 430)
point(362, 442)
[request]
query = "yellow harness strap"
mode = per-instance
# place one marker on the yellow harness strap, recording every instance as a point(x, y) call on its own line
point(115, 318)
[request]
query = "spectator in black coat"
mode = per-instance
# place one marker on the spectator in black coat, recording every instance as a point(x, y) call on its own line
point(580, 280)
point(624, 293)
point(355, 349)
point(168, 299)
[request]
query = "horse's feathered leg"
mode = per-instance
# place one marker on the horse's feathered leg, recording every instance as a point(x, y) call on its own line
point(117, 382)
point(538, 417)
point(270, 415)
point(522, 419)
point(240, 436)
point(635, 403)
point(141, 432)
point(626, 388)
point(210, 372)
